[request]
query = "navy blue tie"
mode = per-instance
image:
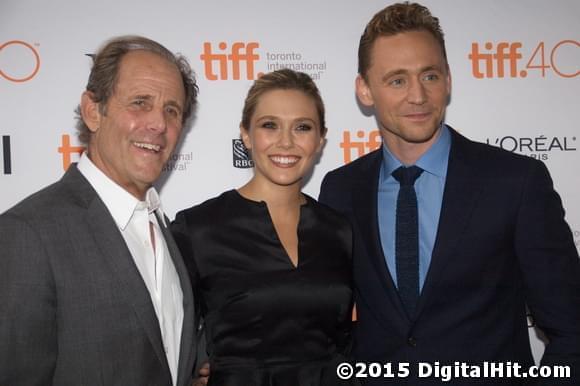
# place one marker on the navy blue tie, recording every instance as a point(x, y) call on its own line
point(407, 237)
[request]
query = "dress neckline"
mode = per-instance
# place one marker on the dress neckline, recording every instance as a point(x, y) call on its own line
point(307, 199)
point(263, 206)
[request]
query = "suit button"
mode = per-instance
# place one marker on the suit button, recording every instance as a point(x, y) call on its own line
point(412, 342)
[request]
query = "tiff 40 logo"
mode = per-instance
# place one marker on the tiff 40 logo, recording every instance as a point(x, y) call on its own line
point(506, 59)
point(19, 61)
point(226, 62)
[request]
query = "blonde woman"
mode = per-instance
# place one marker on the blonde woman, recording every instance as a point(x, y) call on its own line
point(270, 266)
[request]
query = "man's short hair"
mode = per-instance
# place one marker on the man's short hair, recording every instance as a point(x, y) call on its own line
point(105, 71)
point(395, 19)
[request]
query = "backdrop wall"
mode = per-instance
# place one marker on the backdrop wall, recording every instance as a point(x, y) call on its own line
point(515, 73)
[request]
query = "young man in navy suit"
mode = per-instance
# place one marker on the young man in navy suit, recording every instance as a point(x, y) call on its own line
point(447, 260)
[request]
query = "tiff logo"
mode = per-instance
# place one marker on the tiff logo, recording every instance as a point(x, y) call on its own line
point(6, 154)
point(361, 146)
point(240, 52)
point(494, 62)
point(67, 150)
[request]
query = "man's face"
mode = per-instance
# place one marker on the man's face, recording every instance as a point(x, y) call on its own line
point(134, 136)
point(408, 83)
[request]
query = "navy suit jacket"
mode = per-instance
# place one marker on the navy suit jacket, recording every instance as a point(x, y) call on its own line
point(502, 243)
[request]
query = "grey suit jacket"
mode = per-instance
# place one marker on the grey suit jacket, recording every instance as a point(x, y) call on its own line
point(74, 309)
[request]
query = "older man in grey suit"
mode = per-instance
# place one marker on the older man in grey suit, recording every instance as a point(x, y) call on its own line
point(93, 290)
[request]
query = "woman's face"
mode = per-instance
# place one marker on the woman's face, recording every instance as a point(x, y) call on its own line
point(284, 136)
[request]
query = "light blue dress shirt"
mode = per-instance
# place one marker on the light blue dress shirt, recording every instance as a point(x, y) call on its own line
point(429, 188)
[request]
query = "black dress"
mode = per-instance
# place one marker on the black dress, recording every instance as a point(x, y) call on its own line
point(269, 323)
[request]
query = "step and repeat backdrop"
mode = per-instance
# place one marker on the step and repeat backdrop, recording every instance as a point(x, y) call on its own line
point(515, 73)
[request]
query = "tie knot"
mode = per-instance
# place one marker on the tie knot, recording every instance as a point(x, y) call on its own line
point(407, 176)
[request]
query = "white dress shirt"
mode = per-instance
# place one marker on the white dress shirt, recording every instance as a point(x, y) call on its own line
point(154, 264)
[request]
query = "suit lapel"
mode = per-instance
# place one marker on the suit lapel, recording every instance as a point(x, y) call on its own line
point(113, 249)
point(115, 252)
point(462, 189)
point(188, 329)
point(365, 211)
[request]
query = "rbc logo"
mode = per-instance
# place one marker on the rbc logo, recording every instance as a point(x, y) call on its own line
point(242, 158)
point(240, 52)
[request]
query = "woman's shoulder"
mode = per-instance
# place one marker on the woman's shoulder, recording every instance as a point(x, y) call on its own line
point(325, 213)
point(210, 209)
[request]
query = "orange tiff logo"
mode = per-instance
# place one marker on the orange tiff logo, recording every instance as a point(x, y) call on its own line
point(504, 59)
point(366, 142)
point(239, 52)
point(67, 151)
point(19, 52)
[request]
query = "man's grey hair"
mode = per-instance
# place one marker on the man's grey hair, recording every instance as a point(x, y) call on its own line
point(105, 71)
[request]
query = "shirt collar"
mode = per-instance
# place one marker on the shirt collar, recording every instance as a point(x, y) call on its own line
point(433, 161)
point(120, 203)
point(154, 204)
